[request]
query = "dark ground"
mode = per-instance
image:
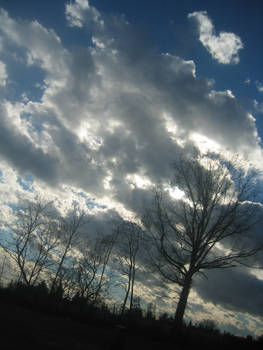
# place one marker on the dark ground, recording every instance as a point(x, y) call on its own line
point(23, 328)
point(28, 329)
point(32, 319)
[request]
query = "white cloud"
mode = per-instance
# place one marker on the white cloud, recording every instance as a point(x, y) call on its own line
point(3, 74)
point(247, 81)
point(223, 47)
point(81, 12)
point(102, 106)
point(259, 86)
point(43, 46)
point(258, 106)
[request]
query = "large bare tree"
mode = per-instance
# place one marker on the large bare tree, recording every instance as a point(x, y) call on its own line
point(208, 227)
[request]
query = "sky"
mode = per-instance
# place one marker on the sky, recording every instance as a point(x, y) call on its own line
point(98, 97)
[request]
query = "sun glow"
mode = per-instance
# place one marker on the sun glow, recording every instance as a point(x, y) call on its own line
point(86, 135)
point(175, 193)
point(204, 143)
point(138, 181)
point(175, 134)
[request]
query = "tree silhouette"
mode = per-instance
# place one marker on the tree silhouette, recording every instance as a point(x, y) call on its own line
point(86, 276)
point(69, 230)
point(32, 239)
point(208, 227)
point(129, 241)
point(105, 248)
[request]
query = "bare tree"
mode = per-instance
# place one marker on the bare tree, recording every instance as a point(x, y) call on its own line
point(208, 227)
point(79, 278)
point(69, 232)
point(106, 246)
point(130, 237)
point(31, 240)
point(86, 277)
point(87, 269)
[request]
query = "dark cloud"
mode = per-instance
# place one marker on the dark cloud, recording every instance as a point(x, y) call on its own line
point(234, 289)
point(77, 166)
point(103, 223)
point(20, 152)
point(195, 308)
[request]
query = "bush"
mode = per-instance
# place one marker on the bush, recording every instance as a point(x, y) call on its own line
point(209, 325)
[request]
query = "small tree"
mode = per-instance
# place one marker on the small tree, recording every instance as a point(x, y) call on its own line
point(151, 311)
point(208, 325)
point(130, 236)
point(80, 277)
point(86, 277)
point(31, 241)
point(68, 231)
point(207, 228)
point(105, 250)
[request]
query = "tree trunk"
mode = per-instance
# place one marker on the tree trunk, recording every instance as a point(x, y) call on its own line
point(60, 265)
point(179, 314)
point(132, 286)
point(127, 292)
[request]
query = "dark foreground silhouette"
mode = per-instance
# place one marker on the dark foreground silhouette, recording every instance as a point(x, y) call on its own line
point(32, 318)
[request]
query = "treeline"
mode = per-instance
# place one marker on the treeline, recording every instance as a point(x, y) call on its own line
point(135, 325)
point(71, 259)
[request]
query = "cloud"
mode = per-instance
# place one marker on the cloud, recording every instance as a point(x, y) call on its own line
point(223, 47)
point(112, 110)
point(247, 81)
point(81, 12)
point(18, 149)
point(259, 86)
point(3, 74)
point(43, 46)
point(258, 106)
point(234, 289)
